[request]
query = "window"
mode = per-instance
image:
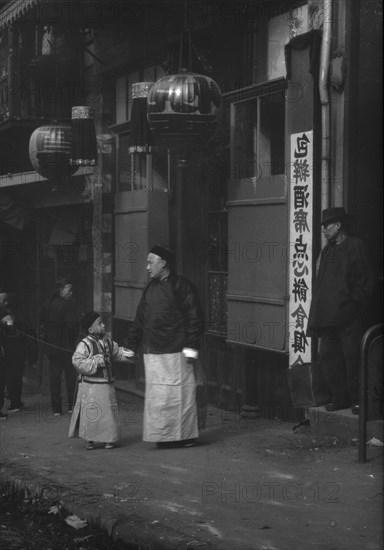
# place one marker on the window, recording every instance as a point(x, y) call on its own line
point(270, 36)
point(257, 137)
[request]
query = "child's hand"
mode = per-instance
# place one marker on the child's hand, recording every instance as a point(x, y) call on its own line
point(99, 360)
point(128, 352)
point(7, 320)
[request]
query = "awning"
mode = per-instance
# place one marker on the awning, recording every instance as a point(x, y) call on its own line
point(14, 10)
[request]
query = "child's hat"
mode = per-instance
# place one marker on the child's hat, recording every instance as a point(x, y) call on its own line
point(88, 319)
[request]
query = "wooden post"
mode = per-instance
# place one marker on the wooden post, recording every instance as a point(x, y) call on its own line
point(11, 76)
point(179, 219)
point(97, 235)
point(183, 164)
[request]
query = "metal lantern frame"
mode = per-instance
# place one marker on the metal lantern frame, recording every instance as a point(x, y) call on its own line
point(58, 150)
point(182, 108)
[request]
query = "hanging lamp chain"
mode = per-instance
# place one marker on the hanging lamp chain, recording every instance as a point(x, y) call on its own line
point(185, 36)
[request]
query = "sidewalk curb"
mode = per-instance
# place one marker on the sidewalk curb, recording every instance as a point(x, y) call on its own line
point(131, 529)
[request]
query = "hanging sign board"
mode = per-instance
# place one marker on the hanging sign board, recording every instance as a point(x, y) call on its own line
point(300, 250)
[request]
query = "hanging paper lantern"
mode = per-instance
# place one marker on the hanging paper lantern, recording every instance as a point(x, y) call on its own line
point(83, 145)
point(50, 150)
point(140, 137)
point(182, 110)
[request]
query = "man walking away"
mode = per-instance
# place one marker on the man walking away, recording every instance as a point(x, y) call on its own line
point(60, 328)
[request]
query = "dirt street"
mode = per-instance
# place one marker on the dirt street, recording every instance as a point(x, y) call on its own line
point(249, 484)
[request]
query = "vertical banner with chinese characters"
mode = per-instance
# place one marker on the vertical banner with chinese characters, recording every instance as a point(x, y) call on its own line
point(300, 239)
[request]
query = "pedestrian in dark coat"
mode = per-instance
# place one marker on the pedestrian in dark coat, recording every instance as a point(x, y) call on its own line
point(341, 294)
point(17, 346)
point(60, 331)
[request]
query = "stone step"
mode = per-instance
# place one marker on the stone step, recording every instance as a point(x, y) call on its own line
point(342, 425)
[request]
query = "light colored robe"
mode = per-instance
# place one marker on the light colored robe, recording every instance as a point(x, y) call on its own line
point(95, 415)
point(170, 412)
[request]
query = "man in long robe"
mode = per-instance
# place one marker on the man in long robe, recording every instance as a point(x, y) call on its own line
point(168, 325)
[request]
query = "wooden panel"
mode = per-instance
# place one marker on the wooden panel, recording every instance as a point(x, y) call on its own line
point(256, 324)
point(257, 268)
point(257, 249)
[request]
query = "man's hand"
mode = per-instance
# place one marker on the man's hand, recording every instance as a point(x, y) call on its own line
point(129, 355)
point(190, 353)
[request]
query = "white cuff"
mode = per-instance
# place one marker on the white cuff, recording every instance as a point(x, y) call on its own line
point(191, 353)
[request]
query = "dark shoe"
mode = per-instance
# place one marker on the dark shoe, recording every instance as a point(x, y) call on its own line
point(335, 407)
point(356, 409)
point(188, 443)
point(90, 446)
point(3, 416)
point(176, 444)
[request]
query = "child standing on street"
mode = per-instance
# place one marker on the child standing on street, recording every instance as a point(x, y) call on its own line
point(95, 415)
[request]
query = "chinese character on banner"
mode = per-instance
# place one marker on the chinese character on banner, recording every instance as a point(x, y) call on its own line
point(300, 238)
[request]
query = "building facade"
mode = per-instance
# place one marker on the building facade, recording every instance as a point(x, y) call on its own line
point(299, 130)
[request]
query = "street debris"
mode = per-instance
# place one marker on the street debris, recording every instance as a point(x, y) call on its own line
point(83, 539)
point(55, 509)
point(76, 522)
point(374, 442)
point(30, 520)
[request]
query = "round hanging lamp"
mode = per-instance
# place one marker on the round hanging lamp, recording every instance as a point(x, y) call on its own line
point(50, 151)
point(182, 110)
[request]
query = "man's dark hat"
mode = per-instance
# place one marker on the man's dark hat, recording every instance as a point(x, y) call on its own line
point(164, 253)
point(62, 282)
point(88, 319)
point(335, 214)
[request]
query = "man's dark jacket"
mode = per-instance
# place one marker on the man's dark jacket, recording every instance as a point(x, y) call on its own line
point(168, 317)
point(60, 325)
point(17, 342)
point(343, 286)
